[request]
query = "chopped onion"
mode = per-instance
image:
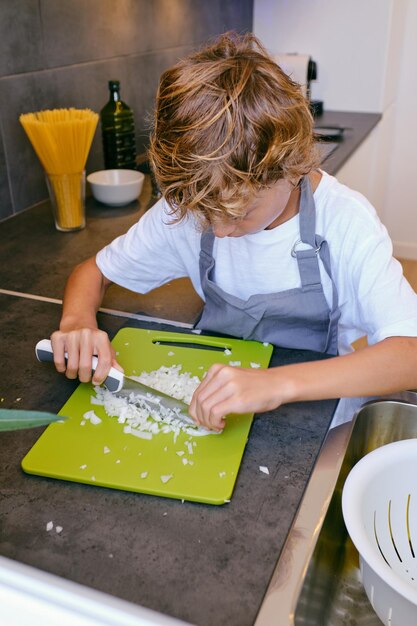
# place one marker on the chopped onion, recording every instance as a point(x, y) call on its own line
point(95, 400)
point(140, 434)
point(94, 419)
point(142, 417)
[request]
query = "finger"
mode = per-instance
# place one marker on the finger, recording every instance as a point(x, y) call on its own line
point(213, 371)
point(207, 404)
point(192, 409)
point(200, 397)
point(216, 423)
point(201, 389)
point(85, 356)
point(58, 348)
point(104, 363)
point(72, 348)
point(215, 420)
point(117, 365)
point(114, 362)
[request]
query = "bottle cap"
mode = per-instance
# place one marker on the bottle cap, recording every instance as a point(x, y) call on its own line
point(114, 84)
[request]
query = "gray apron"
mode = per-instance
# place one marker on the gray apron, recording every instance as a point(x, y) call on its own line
point(295, 318)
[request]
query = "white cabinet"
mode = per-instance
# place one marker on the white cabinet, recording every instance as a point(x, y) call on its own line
point(366, 54)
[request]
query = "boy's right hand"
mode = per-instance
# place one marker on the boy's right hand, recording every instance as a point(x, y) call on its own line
point(80, 345)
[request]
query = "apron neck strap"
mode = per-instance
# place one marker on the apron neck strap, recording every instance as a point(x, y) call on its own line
point(307, 214)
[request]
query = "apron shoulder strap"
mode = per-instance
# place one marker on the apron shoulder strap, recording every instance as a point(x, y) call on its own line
point(307, 259)
point(307, 214)
point(206, 252)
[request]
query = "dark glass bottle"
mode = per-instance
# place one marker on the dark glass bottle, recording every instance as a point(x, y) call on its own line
point(118, 131)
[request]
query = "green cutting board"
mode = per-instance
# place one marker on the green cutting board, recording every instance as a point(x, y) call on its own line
point(74, 451)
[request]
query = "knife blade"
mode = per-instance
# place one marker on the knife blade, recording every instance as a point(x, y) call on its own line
point(121, 385)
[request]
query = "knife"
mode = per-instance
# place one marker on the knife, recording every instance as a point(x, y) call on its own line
point(121, 385)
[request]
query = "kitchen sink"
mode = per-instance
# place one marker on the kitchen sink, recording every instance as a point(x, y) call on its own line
point(317, 579)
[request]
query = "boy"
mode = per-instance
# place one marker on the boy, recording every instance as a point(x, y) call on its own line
point(278, 250)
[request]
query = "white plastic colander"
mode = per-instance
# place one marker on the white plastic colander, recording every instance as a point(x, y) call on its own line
point(380, 511)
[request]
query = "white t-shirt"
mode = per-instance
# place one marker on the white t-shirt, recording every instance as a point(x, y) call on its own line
point(374, 298)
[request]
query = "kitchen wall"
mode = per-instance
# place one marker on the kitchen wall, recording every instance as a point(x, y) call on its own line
point(62, 54)
point(366, 54)
point(348, 40)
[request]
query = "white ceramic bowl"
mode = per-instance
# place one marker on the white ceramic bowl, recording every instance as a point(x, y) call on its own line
point(116, 187)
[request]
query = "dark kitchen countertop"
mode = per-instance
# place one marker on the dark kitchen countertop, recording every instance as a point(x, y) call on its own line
point(204, 564)
point(357, 128)
point(208, 565)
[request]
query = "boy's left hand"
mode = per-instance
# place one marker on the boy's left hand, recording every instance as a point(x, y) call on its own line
point(227, 389)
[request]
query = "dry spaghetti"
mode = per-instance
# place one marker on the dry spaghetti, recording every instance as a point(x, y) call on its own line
point(62, 140)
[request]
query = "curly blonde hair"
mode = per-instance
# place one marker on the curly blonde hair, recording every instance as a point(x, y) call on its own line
point(228, 123)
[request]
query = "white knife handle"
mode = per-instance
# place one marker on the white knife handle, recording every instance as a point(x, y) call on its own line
point(113, 382)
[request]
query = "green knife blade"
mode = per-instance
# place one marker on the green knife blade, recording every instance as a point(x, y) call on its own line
point(16, 419)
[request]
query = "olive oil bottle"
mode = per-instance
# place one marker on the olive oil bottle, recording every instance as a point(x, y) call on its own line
point(118, 131)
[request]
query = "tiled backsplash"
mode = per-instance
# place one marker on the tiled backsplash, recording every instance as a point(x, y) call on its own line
point(62, 54)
